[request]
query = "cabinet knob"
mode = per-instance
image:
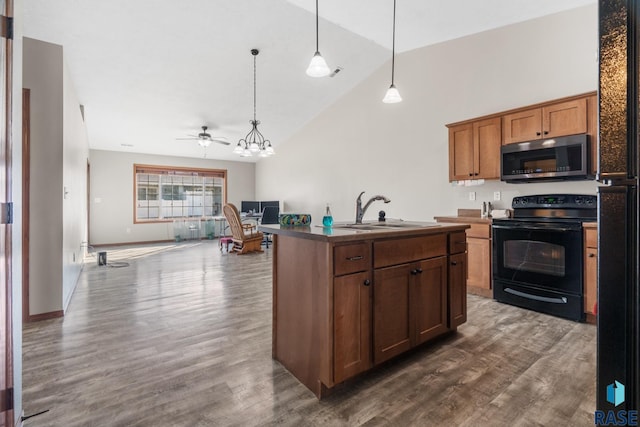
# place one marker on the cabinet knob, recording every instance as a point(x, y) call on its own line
point(538, 133)
point(592, 255)
point(367, 282)
point(454, 262)
point(546, 132)
point(475, 174)
point(414, 272)
point(470, 174)
point(419, 270)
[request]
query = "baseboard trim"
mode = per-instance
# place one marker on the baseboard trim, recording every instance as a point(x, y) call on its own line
point(107, 245)
point(45, 316)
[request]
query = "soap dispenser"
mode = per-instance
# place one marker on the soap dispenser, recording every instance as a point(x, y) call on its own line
point(327, 219)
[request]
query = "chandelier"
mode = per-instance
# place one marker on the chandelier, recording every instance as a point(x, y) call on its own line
point(254, 142)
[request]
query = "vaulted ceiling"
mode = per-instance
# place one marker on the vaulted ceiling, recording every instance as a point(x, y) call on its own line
point(151, 71)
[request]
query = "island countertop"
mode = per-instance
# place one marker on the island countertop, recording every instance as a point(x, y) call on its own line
point(338, 234)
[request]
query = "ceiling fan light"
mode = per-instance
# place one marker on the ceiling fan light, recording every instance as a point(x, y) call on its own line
point(204, 143)
point(238, 149)
point(392, 96)
point(318, 66)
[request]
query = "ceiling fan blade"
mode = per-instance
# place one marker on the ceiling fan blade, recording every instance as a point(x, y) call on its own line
point(188, 139)
point(220, 141)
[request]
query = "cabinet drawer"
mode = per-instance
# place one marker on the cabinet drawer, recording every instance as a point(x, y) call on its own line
point(457, 242)
point(351, 258)
point(481, 231)
point(591, 238)
point(399, 251)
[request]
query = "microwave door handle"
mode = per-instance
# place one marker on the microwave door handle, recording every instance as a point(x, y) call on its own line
point(533, 227)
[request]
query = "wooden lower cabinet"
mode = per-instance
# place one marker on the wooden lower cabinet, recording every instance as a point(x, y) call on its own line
point(410, 306)
point(457, 289)
point(352, 325)
point(590, 272)
point(479, 256)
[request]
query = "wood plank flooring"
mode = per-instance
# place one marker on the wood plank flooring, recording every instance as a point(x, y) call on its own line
point(182, 337)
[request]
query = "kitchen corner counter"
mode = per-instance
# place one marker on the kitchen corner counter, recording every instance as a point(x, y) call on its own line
point(593, 224)
point(463, 219)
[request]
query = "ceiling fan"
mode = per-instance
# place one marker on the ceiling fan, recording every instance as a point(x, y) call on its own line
point(205, 139)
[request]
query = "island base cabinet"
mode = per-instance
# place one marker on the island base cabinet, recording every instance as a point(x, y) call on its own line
point(352, 325)
point(457, 290)
point(410, 306)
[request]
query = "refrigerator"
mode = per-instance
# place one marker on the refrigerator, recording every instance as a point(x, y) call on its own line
point(618, 352)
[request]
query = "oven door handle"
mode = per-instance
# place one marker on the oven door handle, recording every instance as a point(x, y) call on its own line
point(533, 227)
point(561, 300)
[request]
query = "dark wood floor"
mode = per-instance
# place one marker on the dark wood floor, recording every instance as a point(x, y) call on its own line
point(182, 337)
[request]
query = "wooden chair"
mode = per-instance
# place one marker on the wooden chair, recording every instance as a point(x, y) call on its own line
point(244, 239)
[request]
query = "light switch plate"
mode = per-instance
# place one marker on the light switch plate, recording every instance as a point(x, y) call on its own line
point(472, 195)
point(496, 195)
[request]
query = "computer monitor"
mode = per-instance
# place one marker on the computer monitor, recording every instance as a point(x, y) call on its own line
point(275, 204)
point(248, 206)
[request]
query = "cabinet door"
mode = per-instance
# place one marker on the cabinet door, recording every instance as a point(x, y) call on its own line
point(457, 290)
point(391, 329)
point(352, 325)
point(429, 299)
point(461, 155)
point(565, 118)
point(479, 263)
point(522, 126)
point(487, 138)
point(590, 279)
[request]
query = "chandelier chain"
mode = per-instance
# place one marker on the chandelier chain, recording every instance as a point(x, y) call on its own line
point(393, 45)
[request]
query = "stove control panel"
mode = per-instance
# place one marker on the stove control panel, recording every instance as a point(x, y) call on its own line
point(558, 201)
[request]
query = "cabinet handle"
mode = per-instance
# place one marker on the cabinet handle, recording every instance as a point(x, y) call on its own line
point(355, 258)
point(367, 282)
point(454, 262)
point(592, 255)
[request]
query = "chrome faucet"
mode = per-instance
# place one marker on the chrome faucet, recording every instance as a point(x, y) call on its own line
point(360, 210)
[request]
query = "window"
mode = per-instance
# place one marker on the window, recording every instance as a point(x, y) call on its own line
point(166, 193)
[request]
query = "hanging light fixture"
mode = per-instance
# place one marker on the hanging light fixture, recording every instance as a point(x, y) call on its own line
point(392, 96)
point(318, 66)
point(254, 142)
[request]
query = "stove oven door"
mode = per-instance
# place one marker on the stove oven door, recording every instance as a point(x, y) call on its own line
point(538, 265)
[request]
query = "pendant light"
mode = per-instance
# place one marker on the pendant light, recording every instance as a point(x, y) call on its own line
point(318, 66)
point(392, 96)
point(254, 142)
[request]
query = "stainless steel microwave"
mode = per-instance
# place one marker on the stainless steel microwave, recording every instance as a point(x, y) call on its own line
point(553, 159)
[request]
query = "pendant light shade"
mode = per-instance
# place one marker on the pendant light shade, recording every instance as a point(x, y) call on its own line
point(254, 142)
point(318, 66)
point(393, 96)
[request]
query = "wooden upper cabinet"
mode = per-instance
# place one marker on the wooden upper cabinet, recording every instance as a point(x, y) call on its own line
point(548, 121)
point(461, 152)
point(474, 150)
point(487, 137)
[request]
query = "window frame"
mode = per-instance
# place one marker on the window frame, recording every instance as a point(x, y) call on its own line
point(181, 171)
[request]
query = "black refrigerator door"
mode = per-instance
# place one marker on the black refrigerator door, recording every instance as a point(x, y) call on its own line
point(617, 296)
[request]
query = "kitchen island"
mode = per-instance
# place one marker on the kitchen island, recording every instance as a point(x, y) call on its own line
point(347, 299)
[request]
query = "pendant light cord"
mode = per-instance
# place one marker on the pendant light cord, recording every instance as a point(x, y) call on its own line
point(317, 43)
point(254, 86)
point(393, 45)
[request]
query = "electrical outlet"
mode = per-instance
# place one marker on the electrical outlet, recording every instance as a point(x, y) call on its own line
point(496, 195)
point(472, 195)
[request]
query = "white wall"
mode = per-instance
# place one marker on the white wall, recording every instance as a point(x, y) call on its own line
point(74, 191)
point(401, 150)
point(59, 153)
point(43, 75)
point(112, 193)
